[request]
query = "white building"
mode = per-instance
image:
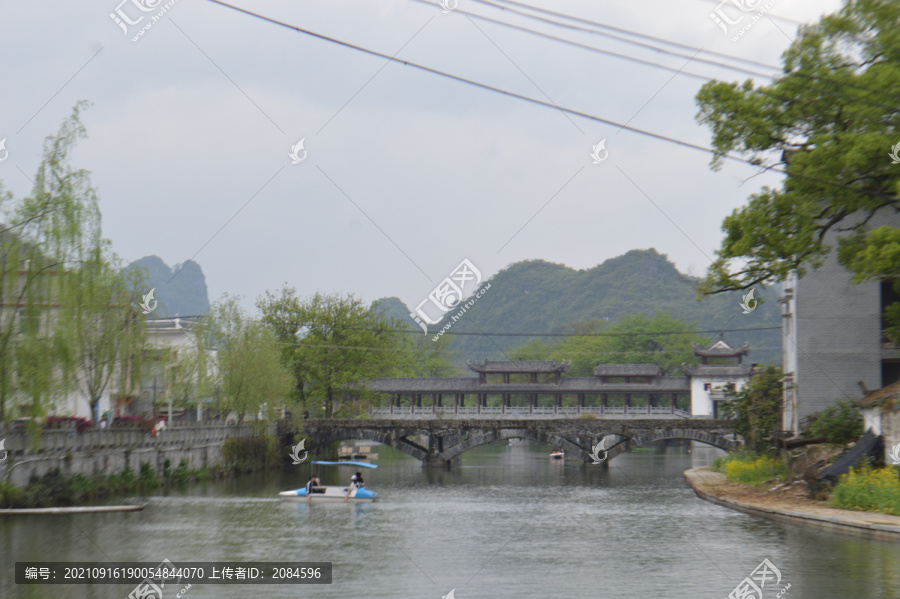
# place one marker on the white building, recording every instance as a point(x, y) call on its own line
point(721, 365)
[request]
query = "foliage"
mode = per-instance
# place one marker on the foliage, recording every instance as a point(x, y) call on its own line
point(247, 455)
point(660, 339)
point(750, 470)
point(104, 332)
point(869, 490)
point(837, 424)
point(42, 237)
point(829, 122)
point(332, 344)
point(755, 410)
point(147, 478)
point(53, 489)
point(250, 373)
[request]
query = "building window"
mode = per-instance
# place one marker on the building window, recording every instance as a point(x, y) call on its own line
point(707, 386)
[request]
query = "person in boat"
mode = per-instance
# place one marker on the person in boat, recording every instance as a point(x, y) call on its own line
point(314, 486)
point(355, 483)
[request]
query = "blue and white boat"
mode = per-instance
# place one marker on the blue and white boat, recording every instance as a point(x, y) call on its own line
point(333, 493)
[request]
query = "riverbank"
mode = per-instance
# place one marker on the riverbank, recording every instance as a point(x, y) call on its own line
point(790, 506)
point(92, 509)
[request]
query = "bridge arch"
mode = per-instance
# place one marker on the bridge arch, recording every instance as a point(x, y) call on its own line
point(445, 440)
point(712, 438)
point(389, 438)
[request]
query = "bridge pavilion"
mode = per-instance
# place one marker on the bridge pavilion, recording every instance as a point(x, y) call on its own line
point(538, 387)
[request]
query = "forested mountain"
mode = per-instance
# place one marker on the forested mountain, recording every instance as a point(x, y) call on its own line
point(541, 297)
point(183, 295)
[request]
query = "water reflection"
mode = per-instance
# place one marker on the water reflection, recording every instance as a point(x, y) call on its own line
point(509, 522)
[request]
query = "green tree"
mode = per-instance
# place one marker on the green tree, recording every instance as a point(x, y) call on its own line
point(837, 424)
point(102, 330)
point(829, 122)
point(333, 344)
point(755, 410)
point(249, 372)
point(634, 339)
point(43, 236)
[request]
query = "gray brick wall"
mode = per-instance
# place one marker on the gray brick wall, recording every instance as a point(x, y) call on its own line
point(838, 334)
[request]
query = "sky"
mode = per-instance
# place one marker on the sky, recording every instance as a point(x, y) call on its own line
point(403, 173)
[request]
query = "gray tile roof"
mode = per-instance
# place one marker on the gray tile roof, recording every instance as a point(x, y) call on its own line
point(721, 348)
point(519, 366)
point(662, 384)
point(719, 370)
point(626, 370)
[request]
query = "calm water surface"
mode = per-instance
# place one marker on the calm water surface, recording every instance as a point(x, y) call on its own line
point(508, 523)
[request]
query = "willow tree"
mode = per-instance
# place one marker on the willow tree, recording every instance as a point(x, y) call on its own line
point(41, 237)
point(248, 369)
point(100, 326)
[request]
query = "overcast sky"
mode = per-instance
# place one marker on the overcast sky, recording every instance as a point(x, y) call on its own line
point(406, 173)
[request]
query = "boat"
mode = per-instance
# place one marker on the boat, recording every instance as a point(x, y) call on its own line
point(331, 493)
point(556, 454)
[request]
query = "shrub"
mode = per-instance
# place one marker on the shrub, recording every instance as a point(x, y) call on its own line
point(147, 478)
point(754, 471)
point(870, 490)
point(838, 424)
point(246, 455)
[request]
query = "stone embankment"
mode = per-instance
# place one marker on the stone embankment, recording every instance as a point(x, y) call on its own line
point(104, 451)
point(793, 509)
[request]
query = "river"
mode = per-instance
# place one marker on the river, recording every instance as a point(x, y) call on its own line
point(507, 523)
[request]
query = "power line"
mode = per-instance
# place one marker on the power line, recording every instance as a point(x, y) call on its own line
point(611, 53)
point(602, 26)
point(621, 126)
point(648, 46)
point(658, 49)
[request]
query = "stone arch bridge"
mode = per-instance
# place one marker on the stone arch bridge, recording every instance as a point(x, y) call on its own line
point(441, 442)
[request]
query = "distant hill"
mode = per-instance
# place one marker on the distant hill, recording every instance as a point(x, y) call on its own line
point(185, 295)
point(541, 297)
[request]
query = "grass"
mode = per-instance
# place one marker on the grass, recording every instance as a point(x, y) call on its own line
point(869, 490)
point(750, 469)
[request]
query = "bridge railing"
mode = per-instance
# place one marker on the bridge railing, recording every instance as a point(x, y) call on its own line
point(65, 440)
point(526, 412)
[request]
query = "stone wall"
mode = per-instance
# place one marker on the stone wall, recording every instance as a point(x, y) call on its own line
point(103, 452)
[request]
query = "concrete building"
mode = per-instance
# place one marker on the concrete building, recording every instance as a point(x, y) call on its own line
point(833, 342)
